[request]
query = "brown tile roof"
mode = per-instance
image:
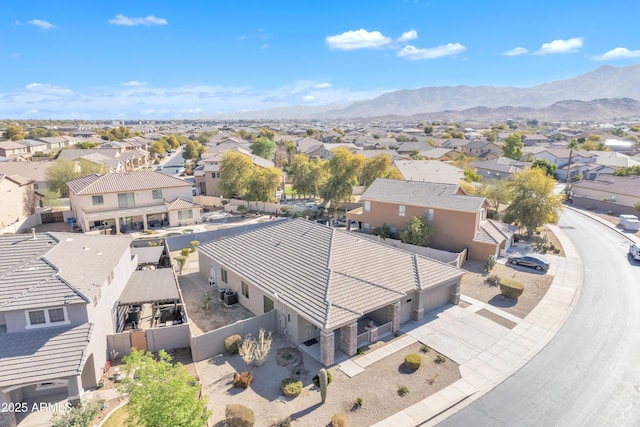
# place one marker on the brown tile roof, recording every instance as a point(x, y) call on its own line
point(125, 181)
point(181, 203)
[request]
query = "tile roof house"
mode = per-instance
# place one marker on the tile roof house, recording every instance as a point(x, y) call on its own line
point(618, 194)
point(560, 157)
point(482, 149)
point(35, 171)
point(312, 148)
point(327, 285)
point(14, 150)
point(131, 200)
point(207, 174)
point(498, 168)
point(19, 202)
point(459, 220)
point(429, 171)
point(56, 297)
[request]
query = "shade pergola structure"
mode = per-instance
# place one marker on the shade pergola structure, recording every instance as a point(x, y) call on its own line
point(155, 287)
point(148, 255)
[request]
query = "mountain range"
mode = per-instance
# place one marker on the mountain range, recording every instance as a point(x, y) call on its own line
point(606, 93)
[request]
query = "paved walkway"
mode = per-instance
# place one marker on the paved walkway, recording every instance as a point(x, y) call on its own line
point(487, 353)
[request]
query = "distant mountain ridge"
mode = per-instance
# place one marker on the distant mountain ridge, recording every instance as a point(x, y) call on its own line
point(608, 92)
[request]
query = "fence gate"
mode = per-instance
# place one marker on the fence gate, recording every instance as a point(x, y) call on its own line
point(139, 340)
point(49, 217)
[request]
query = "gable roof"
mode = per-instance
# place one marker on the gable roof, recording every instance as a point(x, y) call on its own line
point(181, 203)
point(627, 185)
point(429, 170)
point(124, 181)
point(32, 170)
point(418, 193)
point(329, 276)
point(43, 354)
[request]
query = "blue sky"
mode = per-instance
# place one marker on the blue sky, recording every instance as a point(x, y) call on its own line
point(183, 59)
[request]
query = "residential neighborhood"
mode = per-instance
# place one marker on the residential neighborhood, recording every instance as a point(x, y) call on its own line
point(249, 224)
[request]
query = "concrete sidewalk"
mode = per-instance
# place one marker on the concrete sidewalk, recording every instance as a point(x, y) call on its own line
point(489, 353)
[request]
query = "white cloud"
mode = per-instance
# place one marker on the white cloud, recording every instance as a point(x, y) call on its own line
point(359, 39)
point(515, 52)
point(618, 53)
point(125, 20)
point(324, 85)
point(41, 24)
point(409, 35)
point(134, 83)
point(561, 46)
point(47, 89)
point(413, 53)
point(309, 98)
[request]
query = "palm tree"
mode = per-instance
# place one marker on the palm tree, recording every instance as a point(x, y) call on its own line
point(573, 145)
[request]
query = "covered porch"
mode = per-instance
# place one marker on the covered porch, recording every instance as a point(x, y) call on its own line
point(123, 220)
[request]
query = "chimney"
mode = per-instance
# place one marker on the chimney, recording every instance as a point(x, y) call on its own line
point(33, 232)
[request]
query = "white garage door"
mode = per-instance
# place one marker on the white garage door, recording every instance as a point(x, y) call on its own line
point(436, 297)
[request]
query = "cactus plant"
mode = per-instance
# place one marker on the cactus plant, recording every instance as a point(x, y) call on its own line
point(324, 382)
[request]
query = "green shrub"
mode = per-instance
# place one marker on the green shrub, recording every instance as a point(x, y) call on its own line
point(511, 288)
point(78, 416)
point(316, 379)
point(232, 343)
point(239, 416)
point(403, 390)
point(424, 348)
point(291, 387)
point(490, 263)
point(493, 280)
point(339, 420)
point(412, 361)
point(243, 379)
point(283, 422)
point(440, 359)
point(185, 252)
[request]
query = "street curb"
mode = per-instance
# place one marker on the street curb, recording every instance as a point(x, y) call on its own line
point(632, 238)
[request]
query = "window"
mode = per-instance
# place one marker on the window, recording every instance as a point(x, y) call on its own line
point(48, 317)
point(245, 289)
point(223, 275)
point(37, 317)
point(394, 232)
point(126, 200)
point(97, 200)
point(157, 194)
point(367, 206)
point(482, 215)
point(428, 214)
point(56, 315)
point(401, 210)
point(268, 304)
point(185, 214)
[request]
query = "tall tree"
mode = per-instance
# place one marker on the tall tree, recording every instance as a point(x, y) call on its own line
point(573, 145)
point(513, 146)
point(62, 171)
point(544, 164)
point(161, 393)
point(263, 183)
point(379, 166)
point(14, 133)
point(534, 202)
point(417, 232)
point(344, 170)
point(235, 171)
point(36, 133)
point(496, 191)
point(192, 150)
point(264, 147)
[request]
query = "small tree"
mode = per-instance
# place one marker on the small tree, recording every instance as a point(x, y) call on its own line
point(417, 232)
point(384, 231)
point(490, 263)
point(193, 244)
point(78, 416)
point(242, 209)
point(161, 393)
point(181, 260)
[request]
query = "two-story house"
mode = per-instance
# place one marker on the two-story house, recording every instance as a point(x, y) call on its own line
point(429, 171)
point(481, 149)
point(459, 221)
point(19, 201)
point(581, 161)
point(57, 293)
point(131, 201)
point(14, 150)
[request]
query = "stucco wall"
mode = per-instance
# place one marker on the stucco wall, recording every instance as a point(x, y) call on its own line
point(18, 202)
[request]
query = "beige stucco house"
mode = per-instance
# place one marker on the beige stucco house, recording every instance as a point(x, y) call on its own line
point(131, 201)
point(459, 220)
point(330, 288)
point(19, 201)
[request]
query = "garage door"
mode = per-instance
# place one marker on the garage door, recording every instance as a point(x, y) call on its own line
point(436, 297)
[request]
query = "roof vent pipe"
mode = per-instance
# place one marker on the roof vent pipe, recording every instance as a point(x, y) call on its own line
point(33, 232)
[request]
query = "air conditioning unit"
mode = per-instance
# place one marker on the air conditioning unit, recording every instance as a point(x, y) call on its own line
point(230, 298)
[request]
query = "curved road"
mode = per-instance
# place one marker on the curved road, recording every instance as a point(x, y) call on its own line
point(589, 374)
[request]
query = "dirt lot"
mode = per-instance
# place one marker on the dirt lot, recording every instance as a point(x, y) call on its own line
point(377, 386)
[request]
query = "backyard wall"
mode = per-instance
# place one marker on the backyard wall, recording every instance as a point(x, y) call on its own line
point(601, 205)
point(211, 343)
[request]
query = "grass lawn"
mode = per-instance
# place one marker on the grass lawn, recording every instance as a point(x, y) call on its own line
point(117, 418)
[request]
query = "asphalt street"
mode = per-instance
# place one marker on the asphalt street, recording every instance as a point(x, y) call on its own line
point(589, 374)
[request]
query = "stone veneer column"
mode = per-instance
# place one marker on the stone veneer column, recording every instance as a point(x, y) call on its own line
point(327, 350)
point(349, 339)
point(393, 315)
point(7, 419)
point(418, 306)
point(454, 293)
